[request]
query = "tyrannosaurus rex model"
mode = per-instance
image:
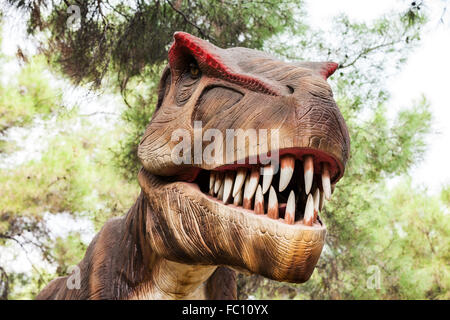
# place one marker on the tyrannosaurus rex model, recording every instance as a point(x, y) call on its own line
point(200, 218)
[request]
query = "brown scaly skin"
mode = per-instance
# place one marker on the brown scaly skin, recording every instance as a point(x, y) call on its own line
point(177, 242)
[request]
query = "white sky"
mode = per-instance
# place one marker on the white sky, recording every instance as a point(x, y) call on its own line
point(427, 72)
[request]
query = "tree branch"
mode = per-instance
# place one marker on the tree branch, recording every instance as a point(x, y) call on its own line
point(26, 253)
point(366, 51)
point(4, 284)
point(202, 33)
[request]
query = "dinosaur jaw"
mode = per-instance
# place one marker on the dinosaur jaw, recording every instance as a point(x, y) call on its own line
point(293, 191)
point(190, 223)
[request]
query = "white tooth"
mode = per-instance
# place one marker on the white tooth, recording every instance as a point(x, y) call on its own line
point(316, 199)
point(272, 208)
point(259, 201)
point(321, 202)
point(289, 216)
point(309, 211)
point(220, 192)
point(246, 203)
point(237, 201)
point(326, 181)
point(287, 169)
point(316, 203)
point(308, 169)
point(212, 178)
point(219, 181)
point(239, 181)
point(228, 185)
point(267, 178)
point(251, 186)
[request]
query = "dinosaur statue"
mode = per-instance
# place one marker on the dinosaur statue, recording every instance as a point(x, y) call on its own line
point(194, 225)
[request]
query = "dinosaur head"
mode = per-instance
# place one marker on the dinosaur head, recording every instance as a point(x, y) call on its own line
point(238, 158)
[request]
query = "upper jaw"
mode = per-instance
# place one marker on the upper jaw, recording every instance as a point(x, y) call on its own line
point(156, 157)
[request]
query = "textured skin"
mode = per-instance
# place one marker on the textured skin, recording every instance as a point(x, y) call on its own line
point(308, 118)
point(120, 263)
point(210, 57)
point(178, 243)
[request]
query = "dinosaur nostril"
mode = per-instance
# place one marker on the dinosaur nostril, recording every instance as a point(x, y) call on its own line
point(291, 90)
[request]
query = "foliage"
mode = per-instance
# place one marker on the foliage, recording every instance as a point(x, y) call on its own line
point(125, 38)
point(32, 92)
point(73, 173)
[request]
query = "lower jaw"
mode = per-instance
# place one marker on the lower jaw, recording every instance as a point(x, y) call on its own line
point(228, 235)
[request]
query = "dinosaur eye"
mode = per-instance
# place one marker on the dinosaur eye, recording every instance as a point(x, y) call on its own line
point(194, 70)
point(187, 83)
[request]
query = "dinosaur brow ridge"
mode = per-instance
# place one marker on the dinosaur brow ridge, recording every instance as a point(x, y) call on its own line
point(210, 60)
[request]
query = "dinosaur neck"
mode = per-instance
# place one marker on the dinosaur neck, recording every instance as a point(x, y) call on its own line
point(152, 276)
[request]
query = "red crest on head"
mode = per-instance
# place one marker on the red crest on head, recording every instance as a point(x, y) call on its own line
point(208, 57)
point(328, 68)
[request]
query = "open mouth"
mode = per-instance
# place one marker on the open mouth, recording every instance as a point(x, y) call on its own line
point(293, 194)
point(250, 217)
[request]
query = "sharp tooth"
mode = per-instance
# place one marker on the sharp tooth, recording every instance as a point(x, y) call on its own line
point(287, 169)
point(309, 211)
point(259, 201)
point(250, 187)
point(212, 178)
point(272, 208)
point(321, 202)
point(289, 216)
point(239, 182)
point(219, 181)
point(228, 185)
point(308, 166)
point(220, 192)
point(238, 198)
point(326, 181)
point(211, 185)
point(246, 203)
point(316, 203)
point(267, 178)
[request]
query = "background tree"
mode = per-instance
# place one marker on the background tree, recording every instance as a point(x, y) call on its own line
point(73, 173)
point(399, 232)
